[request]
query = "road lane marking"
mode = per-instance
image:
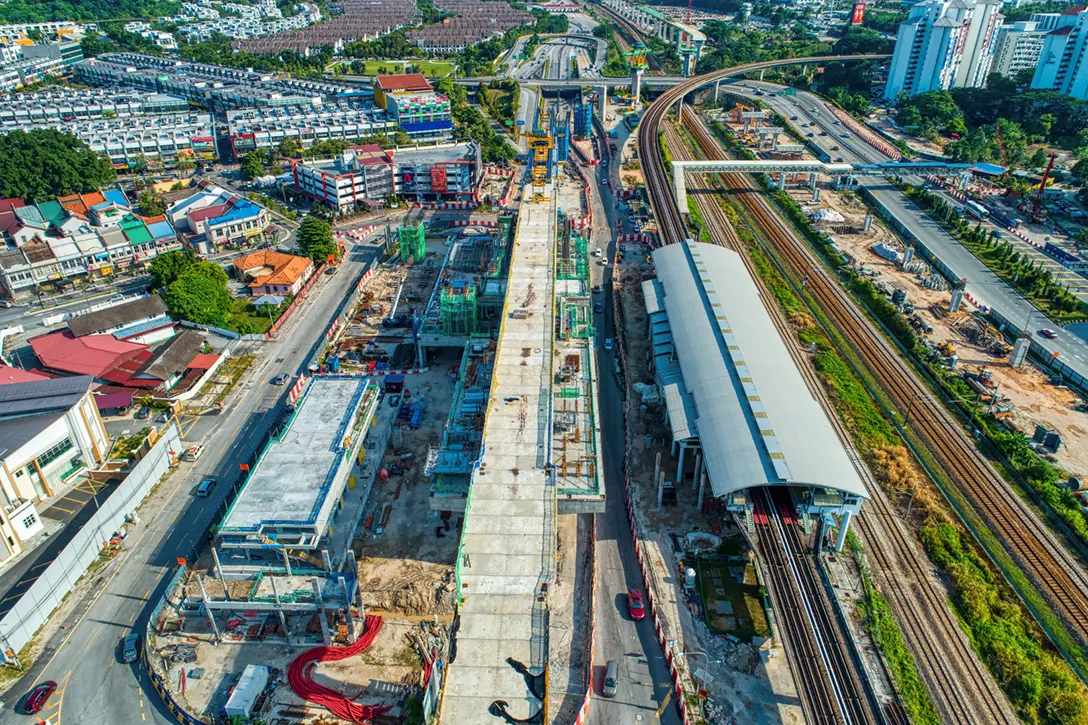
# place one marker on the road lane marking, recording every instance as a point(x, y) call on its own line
point(147, 595)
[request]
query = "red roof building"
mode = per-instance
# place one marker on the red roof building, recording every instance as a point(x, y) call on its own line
point(10, 375)
point(407, 82)
point(95, 355)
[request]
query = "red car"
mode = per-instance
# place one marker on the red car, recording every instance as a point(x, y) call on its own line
point(40, 695)
point(635, 605)
point(1048, 333)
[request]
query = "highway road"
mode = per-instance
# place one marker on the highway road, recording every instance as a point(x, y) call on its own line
point(981, 282)
point(644, 676)
point(95, 689)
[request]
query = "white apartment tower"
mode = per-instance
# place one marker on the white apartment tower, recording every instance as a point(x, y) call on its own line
point(944, 43)
point(1018, 48)
point(1061, 63)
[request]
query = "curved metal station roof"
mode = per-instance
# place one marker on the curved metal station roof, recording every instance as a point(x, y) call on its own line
point(757, 422)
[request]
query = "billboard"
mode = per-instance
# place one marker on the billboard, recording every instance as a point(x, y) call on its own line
point(859, 14)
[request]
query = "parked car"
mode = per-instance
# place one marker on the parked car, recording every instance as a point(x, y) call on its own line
point(635, 605)
point(1048, 333)
point(810, 134)
point(6, 303)
point(611, 678)
point(281, 379)
point(130, 648)
point(143, 413)
point(330, 270)
point(838, 159)
point(40, 695)
point(596, 289)
point(193, 453)
point(608, 343)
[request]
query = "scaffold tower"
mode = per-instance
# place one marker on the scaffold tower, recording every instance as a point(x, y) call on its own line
point(573, 262)
point(413, 242)
point(458, 309)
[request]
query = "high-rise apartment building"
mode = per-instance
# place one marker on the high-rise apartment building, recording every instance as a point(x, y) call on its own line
point(944, 43)
point(1061, 62)
point(1018, 48)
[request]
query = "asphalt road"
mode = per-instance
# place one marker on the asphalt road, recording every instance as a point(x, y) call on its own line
point(95, 689)
point(981, 282)
point(644, 681)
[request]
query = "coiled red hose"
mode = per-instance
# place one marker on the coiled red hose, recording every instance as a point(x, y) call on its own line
point(298, 676)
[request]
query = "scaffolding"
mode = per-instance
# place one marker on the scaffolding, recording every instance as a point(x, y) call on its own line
point(576, 318)
point(458, 309)
point(413, 242)
point(573, 262)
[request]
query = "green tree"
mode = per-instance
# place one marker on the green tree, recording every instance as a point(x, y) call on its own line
point(315, 239)
point(45, 163)
point(288, 148)
point(251, 166)
point(200, 299)
point(151, 204)
point(168, 267)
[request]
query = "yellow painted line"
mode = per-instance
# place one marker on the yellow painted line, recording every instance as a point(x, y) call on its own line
point(52, 519)
point(132, 618)
point(39, 566)
point(148, 594)
point(93, 636)
point(67, 511)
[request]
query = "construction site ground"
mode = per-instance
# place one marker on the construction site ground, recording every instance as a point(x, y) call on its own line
point(749, 677)
point(415, 281)
point(493, 188)
point(406, 551)
point(386, 674)
point(569, 618)
point(1027, 390)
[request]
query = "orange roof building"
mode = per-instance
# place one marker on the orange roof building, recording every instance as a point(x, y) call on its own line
point(274, 273)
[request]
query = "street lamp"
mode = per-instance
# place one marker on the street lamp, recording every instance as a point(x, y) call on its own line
point(708, 661)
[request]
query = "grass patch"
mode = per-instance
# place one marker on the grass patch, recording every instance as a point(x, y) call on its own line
point(125, 446)
point(696, 223)
point(248, 319)
point(429, 68)
point(717, 584)
point(235, 367)
point(881, 626)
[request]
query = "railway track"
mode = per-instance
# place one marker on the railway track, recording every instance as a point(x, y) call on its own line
point(634, 34)
point(819, 693)
point(822, 660)
point(961, 688)
point(1000, 508)
point(995, 501)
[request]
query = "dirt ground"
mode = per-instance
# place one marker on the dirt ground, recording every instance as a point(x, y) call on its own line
point(1027, 392)
point(749, 679)
point(406, 551)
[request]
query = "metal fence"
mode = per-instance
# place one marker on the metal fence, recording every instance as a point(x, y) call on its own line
point(47, 592)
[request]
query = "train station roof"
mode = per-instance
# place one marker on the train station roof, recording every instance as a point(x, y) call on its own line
point(757, 422)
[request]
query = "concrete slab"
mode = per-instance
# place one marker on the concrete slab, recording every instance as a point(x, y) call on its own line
point(508, 538)
point(291, 481)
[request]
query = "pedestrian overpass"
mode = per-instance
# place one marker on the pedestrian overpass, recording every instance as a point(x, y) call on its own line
point(787, 167)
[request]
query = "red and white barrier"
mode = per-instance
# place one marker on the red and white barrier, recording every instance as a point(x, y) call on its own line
point(631, 237)
point(491, 224)
point(497, 171)
point(864, 133)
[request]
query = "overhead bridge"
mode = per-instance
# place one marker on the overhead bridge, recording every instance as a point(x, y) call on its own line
point(785, 167)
